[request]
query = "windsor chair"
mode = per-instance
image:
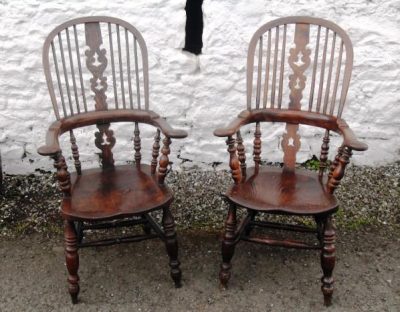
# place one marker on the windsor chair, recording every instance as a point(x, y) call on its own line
point(313, 100)
point(113, 195)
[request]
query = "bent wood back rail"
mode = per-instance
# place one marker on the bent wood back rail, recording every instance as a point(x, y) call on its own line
point(96, 70)
point(298, 73)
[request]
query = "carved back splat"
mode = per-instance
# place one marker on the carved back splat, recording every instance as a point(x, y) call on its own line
point(105, 140)
point(312, 56)
point(299, 60)
point(113, 54)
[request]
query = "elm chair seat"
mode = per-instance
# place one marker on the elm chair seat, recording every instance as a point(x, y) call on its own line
point(274, 190)
point(97, 74)
point(298, 74)
point(122, 191)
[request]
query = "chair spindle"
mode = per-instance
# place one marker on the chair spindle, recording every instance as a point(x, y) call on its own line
point(338, 172)
point(155, 153)
point(137, 73)
point(241, 153)
point(78, 57)
point(275, 67)
point(283, 60)
point(339, 65)
point(267, 68)
point(60, 89)
point(257, 147)
point(128, 66)
point(71, 63)
point(164, 160)
point(328, 82)
point(234, 161)
point(63, 176)
point(113, 65)
point(322, 74)
point(314, 72)
point(136, 142)
point(335, 162)
point(75, 153)
point(324, 154)
point(259, 72)
point(121, 73)
point(64, 66)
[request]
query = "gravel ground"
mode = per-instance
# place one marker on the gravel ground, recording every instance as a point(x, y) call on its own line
point(134, 277)
point(368, 196)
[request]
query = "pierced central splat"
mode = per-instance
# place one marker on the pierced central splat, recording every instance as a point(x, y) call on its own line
point(299, 60)
point(96, 62)
point(297, 86)
point(105, 141)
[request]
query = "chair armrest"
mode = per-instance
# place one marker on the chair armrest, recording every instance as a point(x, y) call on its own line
point(349, 138)
point(168, 130)
point(234, 125)
point(52, 146)
point(58, 127)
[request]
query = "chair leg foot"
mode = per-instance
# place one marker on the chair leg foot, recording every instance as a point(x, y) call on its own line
point(74, 298)
point(328, 260)
point(72, 259)
point(171, 244)
point(228, 246)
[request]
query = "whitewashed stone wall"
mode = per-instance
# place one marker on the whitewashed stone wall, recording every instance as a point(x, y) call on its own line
point(196, 93)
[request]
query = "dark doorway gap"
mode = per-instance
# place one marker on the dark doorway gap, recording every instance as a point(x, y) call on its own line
point(194, 26)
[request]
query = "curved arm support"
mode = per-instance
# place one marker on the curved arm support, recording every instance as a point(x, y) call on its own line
point(278, 115)
point(349, 138)
point(164, 160)
point(52, 146)
point(63, 176)
point(337, 171)
point(296, 117)
point(234, 163)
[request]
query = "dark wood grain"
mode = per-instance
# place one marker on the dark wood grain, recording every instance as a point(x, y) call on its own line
point(107, 193)
point(278, 190)
point(113, 195)
point(290, 190)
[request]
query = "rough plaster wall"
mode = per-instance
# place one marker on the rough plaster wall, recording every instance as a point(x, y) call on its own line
point(196, 93)
point(25, 107)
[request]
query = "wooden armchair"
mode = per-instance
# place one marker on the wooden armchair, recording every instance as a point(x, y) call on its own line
point(290, 190)
point(112, 196)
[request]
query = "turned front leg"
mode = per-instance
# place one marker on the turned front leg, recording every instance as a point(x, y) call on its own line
point(171, 244)
point(328, 259)
point(72, 259)
point(228, 245)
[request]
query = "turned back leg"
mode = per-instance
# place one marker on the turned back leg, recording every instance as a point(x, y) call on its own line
point(228, 246)
point(328, 259)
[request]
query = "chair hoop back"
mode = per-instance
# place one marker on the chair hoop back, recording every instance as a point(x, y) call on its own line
point(110, 48)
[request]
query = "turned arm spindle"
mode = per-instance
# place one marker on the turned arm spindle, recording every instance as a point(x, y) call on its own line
point(75, 153)
point(164, 160)
point(335, 162)
point(324, 154)
point(234, 161)
point(338, 172)
point(63, 176)
point(156, 150)
point(257, 147)
point(241, 153)
point(136, 142)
